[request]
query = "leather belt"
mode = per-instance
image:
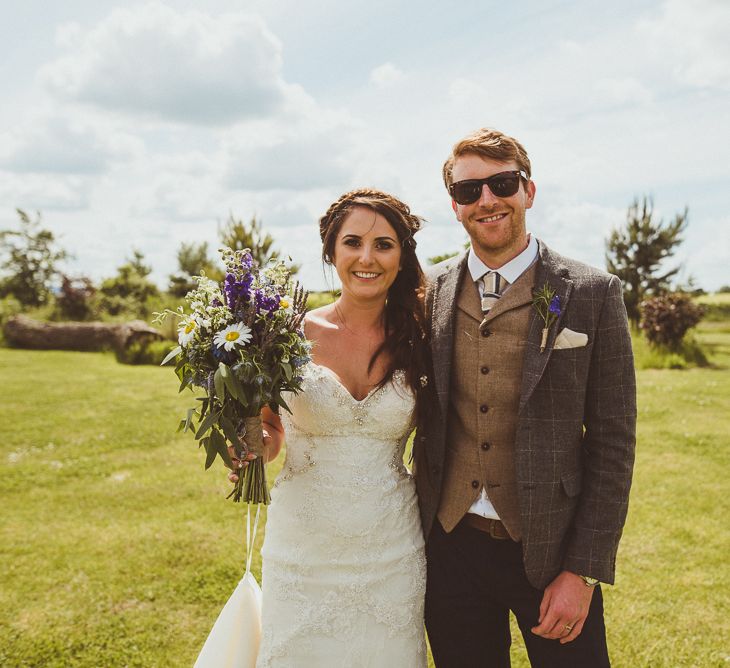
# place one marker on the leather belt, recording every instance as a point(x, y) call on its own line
point(493, 527)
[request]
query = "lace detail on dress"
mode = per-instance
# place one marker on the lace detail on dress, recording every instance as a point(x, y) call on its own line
point(344, 570)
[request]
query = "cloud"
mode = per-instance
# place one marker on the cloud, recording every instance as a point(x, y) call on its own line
point(45, 192)
point(316, 150)
point(187, 66)
point(61, 145)
point(386, 75)
point(691, 37)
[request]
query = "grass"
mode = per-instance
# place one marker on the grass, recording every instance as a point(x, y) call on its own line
point(119, 550)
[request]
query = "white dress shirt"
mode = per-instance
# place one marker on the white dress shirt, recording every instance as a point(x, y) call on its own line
point(510, 271)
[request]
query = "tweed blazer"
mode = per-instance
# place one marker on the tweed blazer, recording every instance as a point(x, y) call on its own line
point(576, 423)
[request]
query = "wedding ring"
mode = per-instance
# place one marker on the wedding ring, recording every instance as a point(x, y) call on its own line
point(568, 628)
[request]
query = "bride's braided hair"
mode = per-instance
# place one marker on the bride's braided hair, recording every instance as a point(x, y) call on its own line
point(405, 345)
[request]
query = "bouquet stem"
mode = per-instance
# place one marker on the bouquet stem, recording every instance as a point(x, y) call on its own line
point(251, 486)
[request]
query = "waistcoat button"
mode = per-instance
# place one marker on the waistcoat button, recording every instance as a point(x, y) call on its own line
point(475, 483)
point(486, 333)
point(485, 369)
point(484, 408)
point(486, 445)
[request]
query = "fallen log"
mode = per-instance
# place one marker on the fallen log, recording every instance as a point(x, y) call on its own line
point(24, 332)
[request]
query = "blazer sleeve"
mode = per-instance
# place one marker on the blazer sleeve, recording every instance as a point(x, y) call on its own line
point(609, 442)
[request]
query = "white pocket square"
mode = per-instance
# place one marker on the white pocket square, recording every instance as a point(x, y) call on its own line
point(570, 339)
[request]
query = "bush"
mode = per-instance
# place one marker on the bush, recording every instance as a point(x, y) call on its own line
point(144, 351)
point(317, 299)
point(75, 301)
point(665, 319)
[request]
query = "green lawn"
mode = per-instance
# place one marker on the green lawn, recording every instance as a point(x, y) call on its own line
point(119, 550)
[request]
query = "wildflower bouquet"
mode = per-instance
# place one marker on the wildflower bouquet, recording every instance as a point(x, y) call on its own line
point(242, 343)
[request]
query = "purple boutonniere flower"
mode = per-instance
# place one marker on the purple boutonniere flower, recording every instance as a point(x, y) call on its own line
point(547, 304)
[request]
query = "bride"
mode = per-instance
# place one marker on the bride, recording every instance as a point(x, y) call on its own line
point(343, 559)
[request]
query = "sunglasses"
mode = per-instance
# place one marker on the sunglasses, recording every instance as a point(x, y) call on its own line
point(504, 184)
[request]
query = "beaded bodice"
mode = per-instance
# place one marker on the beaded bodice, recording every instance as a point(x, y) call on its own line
point(328, 426)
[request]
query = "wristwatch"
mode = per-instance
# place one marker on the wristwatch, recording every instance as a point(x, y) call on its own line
point(590, 582)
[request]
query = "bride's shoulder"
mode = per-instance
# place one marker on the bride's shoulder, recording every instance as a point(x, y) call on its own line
point(319, 322)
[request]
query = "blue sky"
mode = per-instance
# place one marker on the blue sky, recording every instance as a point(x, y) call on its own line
point(144, 124)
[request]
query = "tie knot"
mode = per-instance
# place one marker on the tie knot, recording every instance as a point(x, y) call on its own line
point(492, 283)
point(492, 286)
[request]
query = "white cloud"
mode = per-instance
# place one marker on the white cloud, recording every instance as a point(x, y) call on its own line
point(45, 192)
point(60, 144)
point(692, 38)
point(386, 75)
point(314, 150)
point(185, 65)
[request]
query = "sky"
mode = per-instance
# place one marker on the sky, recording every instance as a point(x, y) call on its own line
point(145, 125)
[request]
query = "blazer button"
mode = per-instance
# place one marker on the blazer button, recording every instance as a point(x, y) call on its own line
point(486, 445)
point(486, 333)
point(475, 483)
point(484, 408)
point(422, 439)
point(485, 370)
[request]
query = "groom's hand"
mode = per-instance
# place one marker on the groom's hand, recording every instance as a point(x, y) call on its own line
point(564, 608)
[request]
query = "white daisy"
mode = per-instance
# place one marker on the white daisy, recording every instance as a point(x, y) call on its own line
point(186, 332)
point(285, 303)
point(233, 335)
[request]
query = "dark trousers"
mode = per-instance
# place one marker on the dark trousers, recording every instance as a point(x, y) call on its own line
point(474, 580)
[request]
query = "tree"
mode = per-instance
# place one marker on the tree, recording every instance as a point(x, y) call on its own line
point(192, 259)
point(30, 262)
point(238, 235)
point(445, 256)
point(130, 288)
point(636, 252)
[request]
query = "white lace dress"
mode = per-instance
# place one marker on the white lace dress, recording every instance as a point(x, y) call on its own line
point(344, 571)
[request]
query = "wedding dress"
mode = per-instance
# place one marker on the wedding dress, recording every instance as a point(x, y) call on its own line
point(344, 570)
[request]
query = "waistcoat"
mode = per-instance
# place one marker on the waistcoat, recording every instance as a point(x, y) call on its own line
point(484, 397)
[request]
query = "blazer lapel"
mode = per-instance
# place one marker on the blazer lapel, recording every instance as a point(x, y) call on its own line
point(442, 328)
point(551, 271)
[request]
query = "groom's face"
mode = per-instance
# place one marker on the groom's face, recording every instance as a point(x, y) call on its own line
point(495, 225)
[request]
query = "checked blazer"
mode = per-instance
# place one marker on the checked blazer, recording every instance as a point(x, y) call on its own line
point(575, 437)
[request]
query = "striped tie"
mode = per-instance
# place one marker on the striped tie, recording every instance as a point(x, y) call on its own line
point(492, 287)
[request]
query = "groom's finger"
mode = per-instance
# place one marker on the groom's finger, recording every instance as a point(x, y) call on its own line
point(577, 628)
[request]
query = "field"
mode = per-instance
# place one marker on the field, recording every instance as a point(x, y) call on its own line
point(119, 550)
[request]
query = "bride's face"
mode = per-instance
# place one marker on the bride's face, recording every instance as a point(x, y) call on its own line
point(367, 254)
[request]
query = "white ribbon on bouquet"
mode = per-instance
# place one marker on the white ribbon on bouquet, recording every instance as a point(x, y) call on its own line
point(233, 641)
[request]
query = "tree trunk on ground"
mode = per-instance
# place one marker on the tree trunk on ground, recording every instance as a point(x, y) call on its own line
point(23, 332)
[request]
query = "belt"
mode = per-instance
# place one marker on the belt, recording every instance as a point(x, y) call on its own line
point(493, 527)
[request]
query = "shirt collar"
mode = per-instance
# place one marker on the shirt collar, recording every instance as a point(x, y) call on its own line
point(511, 270)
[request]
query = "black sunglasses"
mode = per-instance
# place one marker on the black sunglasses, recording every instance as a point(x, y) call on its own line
point(504, 184)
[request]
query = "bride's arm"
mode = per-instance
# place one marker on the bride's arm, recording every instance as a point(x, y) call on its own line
point(273, 440)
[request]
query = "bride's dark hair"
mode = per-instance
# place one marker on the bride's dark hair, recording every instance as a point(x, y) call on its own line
point(405, 344)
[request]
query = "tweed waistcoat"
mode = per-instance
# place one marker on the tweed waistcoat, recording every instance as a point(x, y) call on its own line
point(484, 403)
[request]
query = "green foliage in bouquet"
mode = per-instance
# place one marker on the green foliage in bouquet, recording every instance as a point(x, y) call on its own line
point(241, 343)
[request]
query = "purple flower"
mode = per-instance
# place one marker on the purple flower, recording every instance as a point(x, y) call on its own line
point(216, 302)
point(555, 305)
point(237, 290)
point(266, 303)
point(247, 261)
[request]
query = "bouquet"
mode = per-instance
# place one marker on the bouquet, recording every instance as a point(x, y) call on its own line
point(242, 344)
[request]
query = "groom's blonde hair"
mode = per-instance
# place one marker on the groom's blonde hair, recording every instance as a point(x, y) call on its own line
point(488, 143)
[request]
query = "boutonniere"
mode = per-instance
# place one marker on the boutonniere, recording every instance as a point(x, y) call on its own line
point(547, 305)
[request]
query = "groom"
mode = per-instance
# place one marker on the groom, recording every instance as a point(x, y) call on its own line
point(524, 466)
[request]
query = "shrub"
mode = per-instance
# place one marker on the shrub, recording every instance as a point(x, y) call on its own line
point(75, 301)
point(666, 318)
point(145, 351)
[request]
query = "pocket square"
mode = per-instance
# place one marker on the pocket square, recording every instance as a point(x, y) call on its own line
point(570, 339)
